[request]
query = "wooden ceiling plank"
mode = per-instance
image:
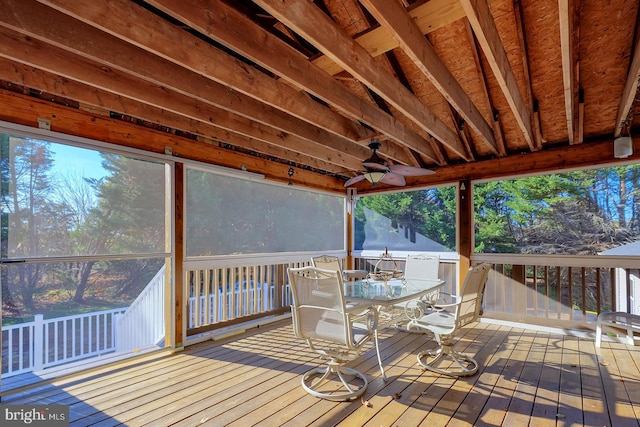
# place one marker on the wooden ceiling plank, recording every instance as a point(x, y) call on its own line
point(232, 29)
point(566, 9)
point(484, 27)
point(25, 110)
point(98, 100)
point(50, 26)
point(630, 88)
point(310, 22)
point(158, 36)
point(428, 16)
point(411, 40)
point(30, 51)
point(463, 131)
point(517, 8)
point(482, 75)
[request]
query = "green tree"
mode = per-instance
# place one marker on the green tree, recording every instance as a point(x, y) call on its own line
point(430, 213)
point(129, 218)
point(29, 214)
point(581, 212)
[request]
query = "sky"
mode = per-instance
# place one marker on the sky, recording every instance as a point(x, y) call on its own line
point(67, 158)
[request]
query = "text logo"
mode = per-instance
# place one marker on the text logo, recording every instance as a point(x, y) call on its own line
point(34, 415)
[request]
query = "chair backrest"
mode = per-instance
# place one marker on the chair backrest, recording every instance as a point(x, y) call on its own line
point(472, 290)
point(327, 262)
point(319, 309)
point(422, 267)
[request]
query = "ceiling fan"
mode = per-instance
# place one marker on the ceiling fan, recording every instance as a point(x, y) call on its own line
point(377, 170)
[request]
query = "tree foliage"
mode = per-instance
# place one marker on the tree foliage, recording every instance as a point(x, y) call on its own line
point(47, 215)
point(428, 213)
point(576, 213)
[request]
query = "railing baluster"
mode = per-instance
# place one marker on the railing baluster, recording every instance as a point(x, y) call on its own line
point(584, 294)
point(627, 275)
point(546, 291)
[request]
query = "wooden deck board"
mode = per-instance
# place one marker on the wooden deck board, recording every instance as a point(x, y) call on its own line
point(545, 407)
point(505, 368)
point(592, 391)
point(526, 377)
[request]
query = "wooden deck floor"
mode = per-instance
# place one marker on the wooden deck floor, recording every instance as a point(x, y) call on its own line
point(526, 377)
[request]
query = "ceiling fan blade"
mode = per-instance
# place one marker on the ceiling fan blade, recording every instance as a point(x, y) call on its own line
point(375, 166)
point(409, 170)
point(353, 180)
point(393, 179)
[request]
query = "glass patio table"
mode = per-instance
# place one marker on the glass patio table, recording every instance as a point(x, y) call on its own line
point(389, 292)
point(387, 296)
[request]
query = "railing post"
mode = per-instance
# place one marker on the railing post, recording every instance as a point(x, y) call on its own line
point(38, 342)
point(118, 335)
point(518, 274)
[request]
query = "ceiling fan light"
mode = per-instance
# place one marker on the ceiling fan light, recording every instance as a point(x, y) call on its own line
point(374, 177)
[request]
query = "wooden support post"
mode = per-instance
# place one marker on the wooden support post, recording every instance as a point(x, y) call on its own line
point(351, 205)
point(465, 229)
point(179, 305)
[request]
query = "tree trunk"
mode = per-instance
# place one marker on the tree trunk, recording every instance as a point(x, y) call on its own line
point(84, 279)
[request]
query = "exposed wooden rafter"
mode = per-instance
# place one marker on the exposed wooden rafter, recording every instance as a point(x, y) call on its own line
point(231, 29)
point(630, 88)
point(497, 129)
point(307, 84)
point(411, 40)
point(537, 136)
point(486, 32)
point(150, 83)
point(308, 20)
point(174, 44)
point(569, 57)
point(428, 16)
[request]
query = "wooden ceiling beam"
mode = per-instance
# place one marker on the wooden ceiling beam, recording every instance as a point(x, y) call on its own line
point(517, 7)
point(46, 24)
point(428, 16)
point(309, 21)
point(630, 88)
point(395, 19)
point(550, 160)
point(25, 110)
point(156, 35)
point(30, 51)
point(232, 29)
point(567, 47)
point(485, 30)
point(482, 76)
point(94, 99)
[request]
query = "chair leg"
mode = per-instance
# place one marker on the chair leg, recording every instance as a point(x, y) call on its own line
point(464, 364)
point(375, 338)
point(313, 385)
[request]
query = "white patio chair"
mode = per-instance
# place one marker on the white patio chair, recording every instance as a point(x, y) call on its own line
point(335, 331)
point(445, 324)
point(328, 262)
point(419, 268)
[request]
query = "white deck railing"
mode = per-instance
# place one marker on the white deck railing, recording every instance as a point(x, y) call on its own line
point(41, 344)
point(34, 346)
point(223, 293)
point(561, 290)
point(143, 323)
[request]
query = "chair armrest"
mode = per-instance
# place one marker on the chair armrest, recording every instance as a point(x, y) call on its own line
point(454, 300)
point(361, 314)
point(357, 311)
